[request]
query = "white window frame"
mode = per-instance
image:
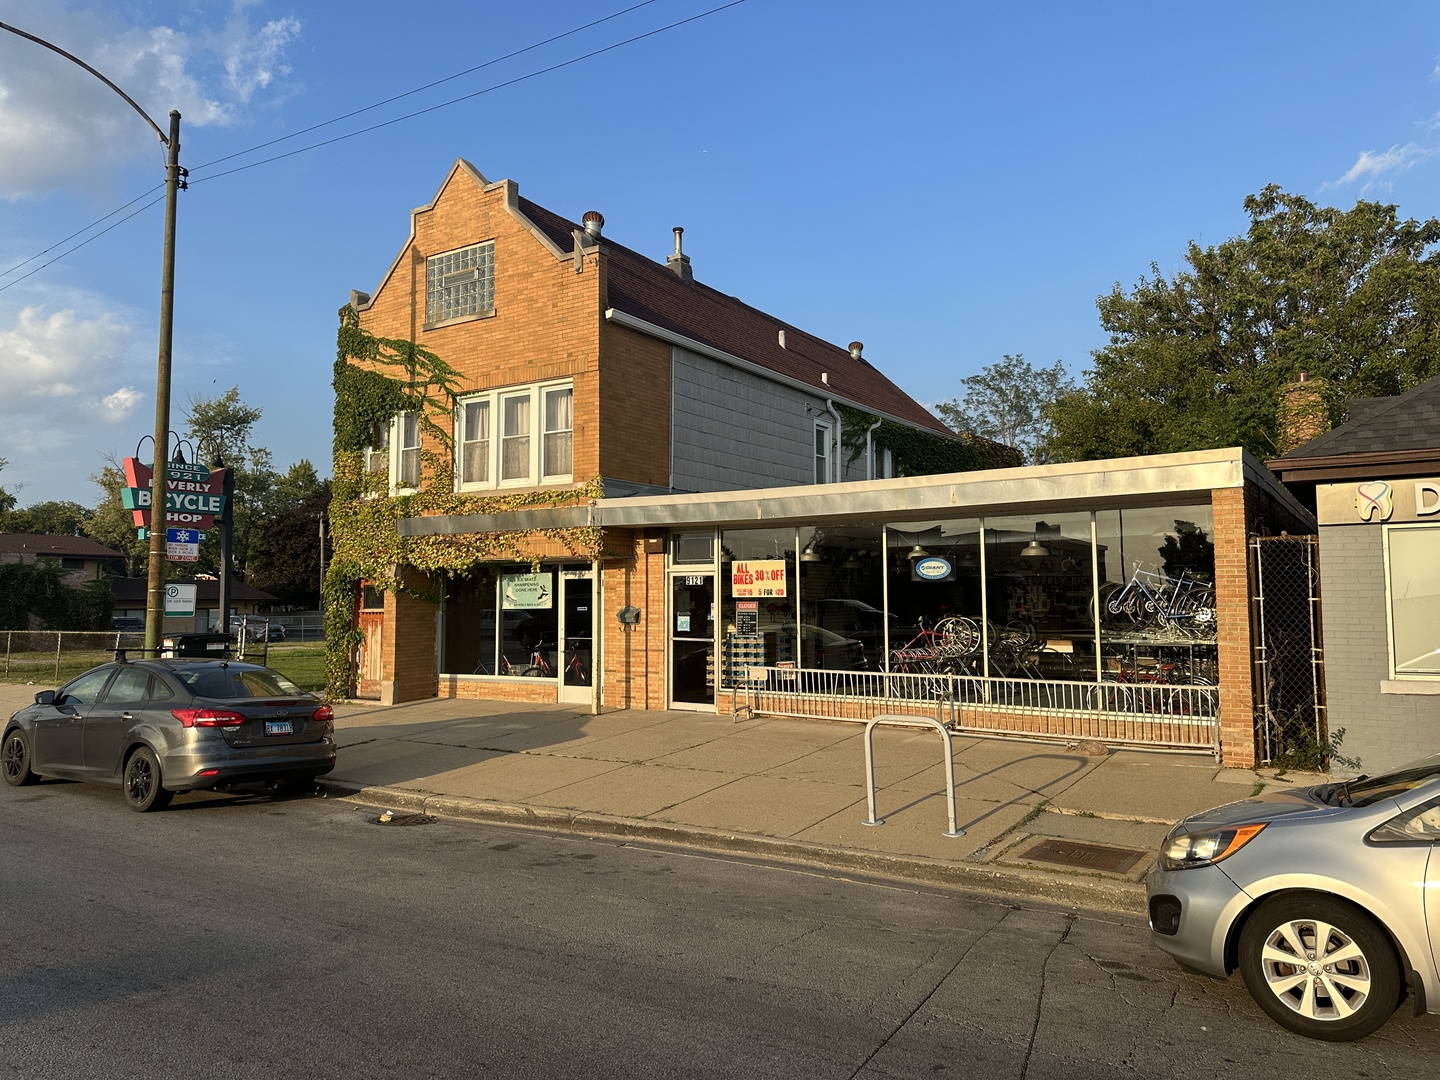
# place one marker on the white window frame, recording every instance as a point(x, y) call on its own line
point(824, 463)
point(1386, 533)
point(536, 465)
point(474, 263)
point(386, 459)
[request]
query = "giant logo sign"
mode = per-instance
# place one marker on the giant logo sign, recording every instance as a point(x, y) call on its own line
point(194, 494)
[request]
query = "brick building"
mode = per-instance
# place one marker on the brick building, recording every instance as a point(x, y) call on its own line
point(766, 524)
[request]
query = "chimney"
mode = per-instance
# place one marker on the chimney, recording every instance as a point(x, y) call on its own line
point(679, 261)
point(856, 348)
point(1303, 413)
point(594, 222)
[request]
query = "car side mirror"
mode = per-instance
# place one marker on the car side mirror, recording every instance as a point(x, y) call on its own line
point(45, 697)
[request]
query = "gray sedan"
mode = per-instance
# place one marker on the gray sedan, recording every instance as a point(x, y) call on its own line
point(1326, 898)
point(157, 727)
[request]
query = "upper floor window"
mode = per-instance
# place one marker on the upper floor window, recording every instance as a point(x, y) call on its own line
point(822, 452)
point(460, 283)
point(394, 452)
point(497, 438)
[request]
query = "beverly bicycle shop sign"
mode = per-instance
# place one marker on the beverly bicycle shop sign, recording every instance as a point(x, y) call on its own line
point(194, 494)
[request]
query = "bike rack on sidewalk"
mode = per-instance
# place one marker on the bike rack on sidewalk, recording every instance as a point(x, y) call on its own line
point(910, 721)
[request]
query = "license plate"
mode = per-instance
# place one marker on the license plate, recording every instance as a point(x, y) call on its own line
point(279, 727)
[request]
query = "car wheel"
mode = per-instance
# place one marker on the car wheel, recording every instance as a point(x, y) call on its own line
point(142, 782)
point(15, 759)
point(1320, 967)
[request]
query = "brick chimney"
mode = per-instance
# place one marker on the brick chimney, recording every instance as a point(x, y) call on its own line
point(1303, 412)
point(679, 261)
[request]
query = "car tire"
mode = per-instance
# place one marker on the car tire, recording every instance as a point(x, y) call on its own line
point(15, 759)
point(1347, 998)
point(142, 787)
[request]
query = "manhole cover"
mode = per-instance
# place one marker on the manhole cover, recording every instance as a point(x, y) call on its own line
point(1085, 856)
point(388, 818)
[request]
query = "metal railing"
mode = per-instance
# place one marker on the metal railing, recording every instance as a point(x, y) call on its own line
point(1145, 713)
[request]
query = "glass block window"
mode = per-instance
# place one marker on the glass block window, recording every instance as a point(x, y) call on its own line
point(559, 432)
point(475, 441)
point(515, 437)
point(459, 283)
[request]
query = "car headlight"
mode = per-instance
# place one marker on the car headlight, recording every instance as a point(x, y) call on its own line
point(1205, 847)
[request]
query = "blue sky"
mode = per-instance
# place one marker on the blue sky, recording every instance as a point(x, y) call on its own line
point(946, 182)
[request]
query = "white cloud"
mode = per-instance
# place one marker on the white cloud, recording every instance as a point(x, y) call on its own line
point(1372, 170)
point(60, 127)
point(119, 405)
point(57, 360)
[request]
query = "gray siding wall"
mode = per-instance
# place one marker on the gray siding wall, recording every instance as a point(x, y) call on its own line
point(733, 429)
point(1381, 729)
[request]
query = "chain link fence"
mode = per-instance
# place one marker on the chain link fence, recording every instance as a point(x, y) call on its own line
point(1288, 657)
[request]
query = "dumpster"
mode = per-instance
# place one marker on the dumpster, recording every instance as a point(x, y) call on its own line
point(215, 646)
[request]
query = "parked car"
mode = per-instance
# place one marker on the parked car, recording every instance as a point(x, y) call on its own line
point(158, 727)
point(128, 626)
point(1318, 895)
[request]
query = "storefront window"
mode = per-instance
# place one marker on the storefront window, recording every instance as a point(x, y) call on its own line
point(757, 600)
point(1157, 594)
point(528, 622)
point(842, 598)
point(935, 574)
point(1412, 589)
point(470, 623)
point(1038, 597)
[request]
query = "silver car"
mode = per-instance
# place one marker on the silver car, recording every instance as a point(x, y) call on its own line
point(157, 727)
point(1326, 898)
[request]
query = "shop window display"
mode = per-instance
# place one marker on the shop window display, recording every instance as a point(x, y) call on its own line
point(501, 621)
point(1038, 593)
point(842, 598)
point(935, 588)
point(760, 631)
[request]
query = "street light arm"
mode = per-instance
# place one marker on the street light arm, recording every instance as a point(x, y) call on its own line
point(76, 60)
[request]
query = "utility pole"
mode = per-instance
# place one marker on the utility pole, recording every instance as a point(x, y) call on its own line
point(174, 181)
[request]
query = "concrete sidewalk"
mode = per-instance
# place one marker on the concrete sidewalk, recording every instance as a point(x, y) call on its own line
point(795, 790)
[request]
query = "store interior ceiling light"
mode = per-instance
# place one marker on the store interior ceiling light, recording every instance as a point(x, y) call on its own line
point(1034, 549)
point(918, 552)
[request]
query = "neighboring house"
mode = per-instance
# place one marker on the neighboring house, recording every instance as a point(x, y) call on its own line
point(1375, 485)
point(244, 600)
point(83, 560)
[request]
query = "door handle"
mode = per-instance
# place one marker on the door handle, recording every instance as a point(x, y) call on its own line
point(127, 716)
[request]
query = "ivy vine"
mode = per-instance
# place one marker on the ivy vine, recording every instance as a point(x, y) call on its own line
point(917, 452)
point(375, 378)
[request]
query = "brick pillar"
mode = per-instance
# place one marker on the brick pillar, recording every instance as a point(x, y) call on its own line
point(1232, 624)
point(409, 664)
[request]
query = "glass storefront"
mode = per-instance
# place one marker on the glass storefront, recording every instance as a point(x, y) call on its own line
point(1007, 596)
point(510, 621)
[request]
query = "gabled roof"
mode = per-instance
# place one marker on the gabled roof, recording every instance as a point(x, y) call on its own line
point(655, 294)
point(1405, 422)
point(55, 546)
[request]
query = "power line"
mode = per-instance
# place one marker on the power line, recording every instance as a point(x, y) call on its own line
point(87, 228)
point(467, 97)
point(87, 240)
point(427, 86)
point(374, 127)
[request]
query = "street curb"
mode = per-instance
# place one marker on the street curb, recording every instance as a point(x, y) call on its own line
point(1122, 897)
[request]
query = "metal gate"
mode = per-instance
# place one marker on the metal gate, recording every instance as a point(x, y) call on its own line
point(1288, 655)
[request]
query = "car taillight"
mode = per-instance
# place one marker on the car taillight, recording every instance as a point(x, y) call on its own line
point(208, 717)
point(323, 715)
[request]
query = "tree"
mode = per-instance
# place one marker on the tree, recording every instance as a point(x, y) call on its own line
point(7, 501)
point(1197, 361)
point(1006, 403)
point(223, 426)
point(58, 518)
point(288, 558)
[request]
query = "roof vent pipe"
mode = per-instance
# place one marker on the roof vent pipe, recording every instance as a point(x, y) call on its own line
point(856, 348)
point(782, 339)
point(594, 222)
point(825, 377)
point(679, 261)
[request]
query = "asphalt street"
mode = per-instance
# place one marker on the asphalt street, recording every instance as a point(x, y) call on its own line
point(251, 936)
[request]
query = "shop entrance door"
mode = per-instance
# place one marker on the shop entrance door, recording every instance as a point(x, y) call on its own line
point(577, 625)
point(692, 641)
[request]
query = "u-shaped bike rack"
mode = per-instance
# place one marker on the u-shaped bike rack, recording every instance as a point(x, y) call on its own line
point(910, 721)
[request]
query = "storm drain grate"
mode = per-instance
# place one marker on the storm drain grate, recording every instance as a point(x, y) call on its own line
point(1085, 856)
point(389, 818)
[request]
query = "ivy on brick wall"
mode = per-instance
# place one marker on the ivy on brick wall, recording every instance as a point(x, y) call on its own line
point(917, 452)
point(375, 378)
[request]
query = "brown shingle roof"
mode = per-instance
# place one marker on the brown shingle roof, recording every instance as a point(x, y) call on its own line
point(55, 546)
point(643, 288)
point(131, 591)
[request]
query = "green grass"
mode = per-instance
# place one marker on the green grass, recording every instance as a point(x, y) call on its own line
point(303, 665)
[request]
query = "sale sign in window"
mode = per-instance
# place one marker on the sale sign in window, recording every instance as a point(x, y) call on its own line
point(760, 577)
